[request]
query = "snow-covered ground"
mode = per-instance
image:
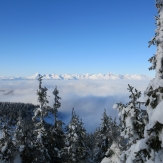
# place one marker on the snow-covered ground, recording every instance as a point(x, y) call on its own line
point(115, 157)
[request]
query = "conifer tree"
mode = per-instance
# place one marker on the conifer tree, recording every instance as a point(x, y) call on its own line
point(148, 148)
point(25, 139)
point(56, 104)
point(107, 135)
point(102, 139)
point(132, 121)
point(42, 134)
point(76, 149)
point(56, 130)
point(7, 146)
point(152, 151)
point(118, 144)
point(42, 111)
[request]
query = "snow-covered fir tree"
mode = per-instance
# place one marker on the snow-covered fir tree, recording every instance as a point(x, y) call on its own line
point(103, 138)
point(7, 145)
point(76, 149)
point(42, 111)
point(56, 131)
point(109, 137)
point(118, 145)
point(147, 147)
point(132, 121)
point(42, 142)
point(151, 147)
point(56, 104)
point(25, 138)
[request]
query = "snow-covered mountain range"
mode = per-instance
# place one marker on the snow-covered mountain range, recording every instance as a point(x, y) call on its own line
point(81, 77)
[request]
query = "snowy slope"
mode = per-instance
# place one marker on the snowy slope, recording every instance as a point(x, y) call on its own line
point(81, 77)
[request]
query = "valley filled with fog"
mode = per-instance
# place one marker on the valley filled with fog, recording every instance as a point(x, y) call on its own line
point(89, 98)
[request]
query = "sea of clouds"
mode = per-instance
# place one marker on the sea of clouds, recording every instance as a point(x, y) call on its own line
point(89, 98)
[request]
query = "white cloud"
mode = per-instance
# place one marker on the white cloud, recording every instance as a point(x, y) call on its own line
point(89, 98)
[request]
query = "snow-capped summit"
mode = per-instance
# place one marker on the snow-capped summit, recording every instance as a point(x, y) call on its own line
point(35, 76)
point(108, 76)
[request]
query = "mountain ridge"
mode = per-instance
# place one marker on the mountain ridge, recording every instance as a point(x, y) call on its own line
point(99, 76)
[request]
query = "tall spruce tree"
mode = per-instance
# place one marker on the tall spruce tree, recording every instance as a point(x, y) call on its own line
point(76, 149)
point(43, 140)
point(56, 104)
point(56, 131)
point(149, 147)
point(153, 149)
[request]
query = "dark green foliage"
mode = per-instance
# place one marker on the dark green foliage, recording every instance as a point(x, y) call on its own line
point(42, 93)
point(132, 122)
point(56, 131)
point(142, 155)
point(7, 146)
point(153, 61)
point(134, 95)
point(137, 114)
point(75, 141)
point(90, 143)
point(25, 138)
point(154, 142)
point(104, 136)
point(154, 96)
point(152, 41)
point(156, 128)
point(11, 111)
point(56, 142)
point(42, 134)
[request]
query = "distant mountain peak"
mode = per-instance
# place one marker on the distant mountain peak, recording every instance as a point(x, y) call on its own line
point(35, 76)
point(99, 76)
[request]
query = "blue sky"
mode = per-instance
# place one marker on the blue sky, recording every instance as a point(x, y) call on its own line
point(76, 36)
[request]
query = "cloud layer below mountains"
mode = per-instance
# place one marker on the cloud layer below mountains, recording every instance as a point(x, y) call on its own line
point(88, 97)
